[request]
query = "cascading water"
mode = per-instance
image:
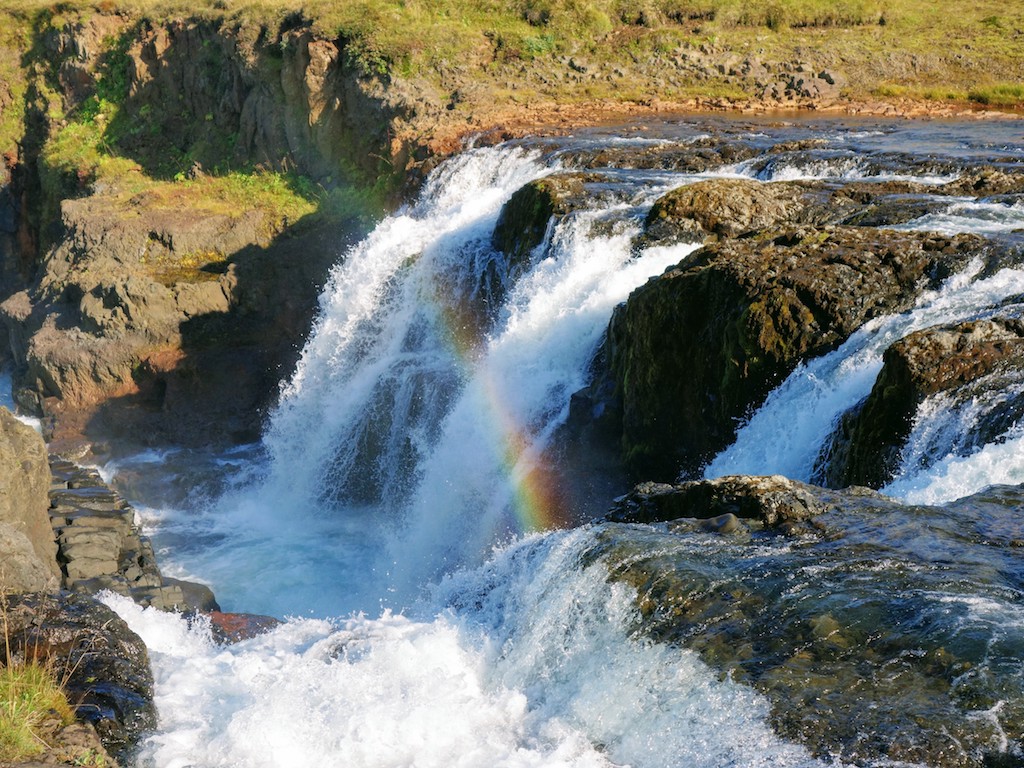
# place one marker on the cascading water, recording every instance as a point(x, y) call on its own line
point(412, 440)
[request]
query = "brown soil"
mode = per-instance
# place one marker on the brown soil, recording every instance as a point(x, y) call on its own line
point(494, 124)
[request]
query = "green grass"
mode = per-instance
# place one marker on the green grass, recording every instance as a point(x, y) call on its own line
point(32, 706)
point(1002, 94)
point(914, 49)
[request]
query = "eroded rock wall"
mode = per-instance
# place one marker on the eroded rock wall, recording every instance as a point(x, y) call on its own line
point(167, 319)
point(28, 555)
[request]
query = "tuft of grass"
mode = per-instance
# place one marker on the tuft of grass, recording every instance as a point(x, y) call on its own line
point(32, 706)
point(1002, 94)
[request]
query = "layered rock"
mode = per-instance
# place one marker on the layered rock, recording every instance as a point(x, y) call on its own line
point(101, 548)
point(696, 349)
point(29, 556)
point(964, 358)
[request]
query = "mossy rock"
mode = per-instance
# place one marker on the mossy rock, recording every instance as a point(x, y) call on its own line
point(524, 219)
point(734, 207)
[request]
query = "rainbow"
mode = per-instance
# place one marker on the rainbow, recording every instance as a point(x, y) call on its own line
point(538, 500)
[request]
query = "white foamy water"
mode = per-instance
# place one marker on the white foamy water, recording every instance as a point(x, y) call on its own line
point(7, 401)
point(840, 168)
point(412, 435)
point(524, 662)
point(409, 442)
point(985, 218)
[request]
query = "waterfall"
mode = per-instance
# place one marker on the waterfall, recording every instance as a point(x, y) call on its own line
point(404, 516)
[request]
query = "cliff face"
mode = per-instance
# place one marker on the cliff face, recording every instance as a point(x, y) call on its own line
point(28, 555)
point(171, 211)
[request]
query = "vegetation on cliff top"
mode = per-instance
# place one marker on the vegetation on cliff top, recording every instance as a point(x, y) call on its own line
point(461, 60)
point(885, 47)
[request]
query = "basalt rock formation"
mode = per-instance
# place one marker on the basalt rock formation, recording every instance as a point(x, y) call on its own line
point(968, 361)
point(695, 349)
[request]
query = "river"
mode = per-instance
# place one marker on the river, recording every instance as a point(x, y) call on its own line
point(444, 609)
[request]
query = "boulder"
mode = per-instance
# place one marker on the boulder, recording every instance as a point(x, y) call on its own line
point(524, 218)
point(29, 553)
point(959, 358)
point(724, 208)
point(696, 349)
point(105, 664)
point(772, 501)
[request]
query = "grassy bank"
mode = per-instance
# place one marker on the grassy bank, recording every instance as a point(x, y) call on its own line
point(33, 708)
point(465, 61)
point(911, 47)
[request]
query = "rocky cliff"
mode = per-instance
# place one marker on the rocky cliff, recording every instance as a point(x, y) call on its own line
point(28, 555)
point(176, 201)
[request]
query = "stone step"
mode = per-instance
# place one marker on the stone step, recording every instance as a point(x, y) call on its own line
point(100, 547)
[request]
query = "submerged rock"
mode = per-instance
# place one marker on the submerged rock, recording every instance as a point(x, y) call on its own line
point(694, 350)
point(866, 446)
point(862, 633)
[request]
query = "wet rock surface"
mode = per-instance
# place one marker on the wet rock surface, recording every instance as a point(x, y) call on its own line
point(105, 665)
point(773, 502)
point(853, 627)
point(695, 349)
point(965, 361)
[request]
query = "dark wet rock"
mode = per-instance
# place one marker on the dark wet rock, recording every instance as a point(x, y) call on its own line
point(771, 501)
point(702, 155)
point(866, 447)
point(894, 210)
point(725, 208)
point(524, 218)
point(861, 633)
point(29, 556)
point(105, 664)
point(694, 350)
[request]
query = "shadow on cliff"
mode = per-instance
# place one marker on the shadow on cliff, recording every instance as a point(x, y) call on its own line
point(217, 388)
